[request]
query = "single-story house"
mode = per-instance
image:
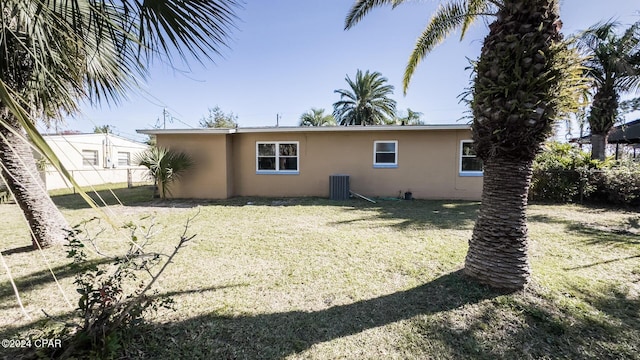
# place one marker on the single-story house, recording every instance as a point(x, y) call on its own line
point(94, 159)
point(430, 161)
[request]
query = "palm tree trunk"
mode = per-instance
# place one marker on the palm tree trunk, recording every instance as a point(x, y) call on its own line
point(497, 253)
point(604, 112)
point(598, 146)
point(21, 175)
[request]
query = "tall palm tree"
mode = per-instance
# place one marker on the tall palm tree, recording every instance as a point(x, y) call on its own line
point(613, 64)
point(316, 117)
point(517, 91)
point(55, 53)
point(367, 101)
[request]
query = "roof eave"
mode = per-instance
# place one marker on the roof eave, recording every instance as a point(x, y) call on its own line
point(287, 129)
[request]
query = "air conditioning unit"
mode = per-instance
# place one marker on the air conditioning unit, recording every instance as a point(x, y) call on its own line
point(339, 187)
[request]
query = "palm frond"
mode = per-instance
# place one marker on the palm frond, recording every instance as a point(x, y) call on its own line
point(37, 140)
point(473, 7)
point(447, 18)
point(363, 7)
point(165, 166)
point(55, 53)
point(367, 102)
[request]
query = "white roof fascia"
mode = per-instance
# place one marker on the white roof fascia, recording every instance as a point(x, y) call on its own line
point(185, 131)
point(287, 129)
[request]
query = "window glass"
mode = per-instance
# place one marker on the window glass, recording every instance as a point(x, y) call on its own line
point(385, 153)
point(386, 147)
point(285, 159)
point(385, 158)
point(288, 149)
point(90, 157)
point(469, 161)
point(266, 149)
point(124, 159)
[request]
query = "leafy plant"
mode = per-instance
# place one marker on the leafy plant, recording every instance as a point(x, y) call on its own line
point(564, 173)
point(560, 173)
point(216, 118)
point(619, 185)
point(165, 166)
point(316, 117)
point(114, 299)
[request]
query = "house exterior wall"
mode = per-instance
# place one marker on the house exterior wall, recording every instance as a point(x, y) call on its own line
point(69, 149)
point(428, 164)
point(209, 178)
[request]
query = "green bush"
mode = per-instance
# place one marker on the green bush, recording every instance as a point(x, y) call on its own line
point(564, 173)
point(560, 173)
point(115, 298)
point(619, 185)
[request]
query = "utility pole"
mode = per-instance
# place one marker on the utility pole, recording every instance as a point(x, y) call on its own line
point(164, 118)
point(277, 120)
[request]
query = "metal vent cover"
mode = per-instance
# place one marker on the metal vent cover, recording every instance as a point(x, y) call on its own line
point(339, 187)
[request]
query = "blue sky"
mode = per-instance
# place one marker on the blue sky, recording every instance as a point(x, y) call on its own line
point(288, 56)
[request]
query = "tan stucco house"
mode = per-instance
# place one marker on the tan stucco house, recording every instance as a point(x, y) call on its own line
point(430, 161)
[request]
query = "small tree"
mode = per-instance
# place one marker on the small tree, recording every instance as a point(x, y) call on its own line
point(103, 129)
point(316, 117)
point(218, 119)
point(165, 166)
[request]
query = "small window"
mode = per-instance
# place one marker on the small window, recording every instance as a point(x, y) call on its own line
point(277, 157)
point(124, 159)
point(470, 163)
point(385, 154)
point(90, 157)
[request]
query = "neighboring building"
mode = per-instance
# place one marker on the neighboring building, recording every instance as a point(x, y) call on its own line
point(94, 159)
point(430, 161)
point(625, 137)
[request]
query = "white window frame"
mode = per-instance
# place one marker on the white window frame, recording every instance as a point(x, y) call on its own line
point(95, 158)
point(385, 165)
point(128, 158)
point(462, 155)
point(278, 171)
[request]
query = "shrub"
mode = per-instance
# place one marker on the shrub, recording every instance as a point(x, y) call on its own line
point(114, 298)
point(619, 185)
point(564, 173)
point(560, 173)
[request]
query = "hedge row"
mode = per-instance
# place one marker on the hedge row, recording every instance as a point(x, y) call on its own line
point(563, 173)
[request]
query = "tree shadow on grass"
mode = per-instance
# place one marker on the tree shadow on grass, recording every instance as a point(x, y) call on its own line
point(18, 250)
point(44, 277)
point(277, 335)
point(434, 214)
point(138, 195)
point(596, 233)
point(40, 328)
point(406, 214)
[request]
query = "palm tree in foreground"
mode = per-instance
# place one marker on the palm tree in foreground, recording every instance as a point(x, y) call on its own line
point(518, 91)
point(613, 64)
point(367, 101)
point(55, 53)
point(316, 117)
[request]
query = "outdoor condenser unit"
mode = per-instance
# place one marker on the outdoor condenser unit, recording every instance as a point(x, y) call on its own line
point(339, 187)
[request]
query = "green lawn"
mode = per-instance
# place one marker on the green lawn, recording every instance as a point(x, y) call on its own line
point(315, 279)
